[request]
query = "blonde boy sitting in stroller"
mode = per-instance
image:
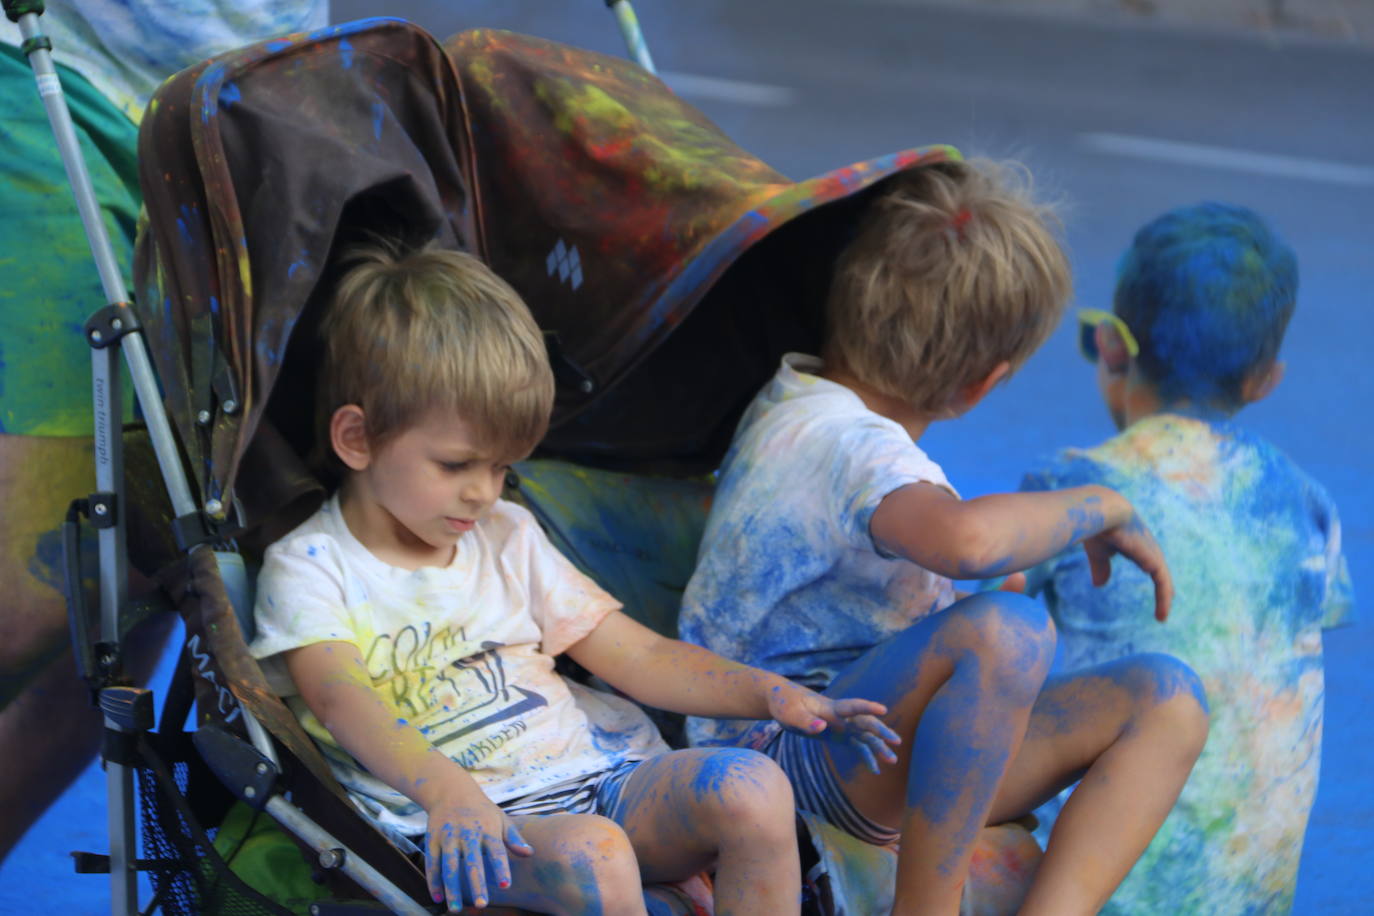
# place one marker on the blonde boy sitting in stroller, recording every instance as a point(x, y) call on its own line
point(412, 622)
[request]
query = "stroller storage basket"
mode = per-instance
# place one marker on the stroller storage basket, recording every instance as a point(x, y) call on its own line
point(189, 876)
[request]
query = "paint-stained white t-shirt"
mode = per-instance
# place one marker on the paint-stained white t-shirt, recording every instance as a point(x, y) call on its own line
point(465, 653)
point(788, 577)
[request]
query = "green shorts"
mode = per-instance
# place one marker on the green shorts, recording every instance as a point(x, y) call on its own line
point(49, 285)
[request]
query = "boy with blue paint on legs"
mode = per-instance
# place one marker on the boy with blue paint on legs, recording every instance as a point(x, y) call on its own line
point(1203, 297)
point(833, 539)
point(413, 621)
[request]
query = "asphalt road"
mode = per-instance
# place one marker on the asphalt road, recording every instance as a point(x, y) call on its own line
point(1119, 123)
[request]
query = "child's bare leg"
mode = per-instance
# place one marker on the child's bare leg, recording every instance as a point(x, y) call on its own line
point(582, 863)
point(1132, 729)
point(729, 809)
point(959, 687)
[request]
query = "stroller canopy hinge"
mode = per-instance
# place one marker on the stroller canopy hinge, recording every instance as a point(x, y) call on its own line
point(242, 768)
point(110, 324)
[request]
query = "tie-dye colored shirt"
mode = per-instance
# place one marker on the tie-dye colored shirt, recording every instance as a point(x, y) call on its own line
point(126, 48)
point(1254, 546)
point(788, 577)
point(464, 653)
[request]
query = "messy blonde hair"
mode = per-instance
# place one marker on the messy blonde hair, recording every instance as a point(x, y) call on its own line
point(954, 269)
point(407, 332)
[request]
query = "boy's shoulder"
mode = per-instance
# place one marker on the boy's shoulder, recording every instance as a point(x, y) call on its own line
point(797, 389)
point(798, 408)
point(507, 518)
point(323, 530)
point(1176, 451)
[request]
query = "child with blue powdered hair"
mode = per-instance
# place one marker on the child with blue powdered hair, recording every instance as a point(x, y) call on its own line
point(833, 539)
point(1202, 300)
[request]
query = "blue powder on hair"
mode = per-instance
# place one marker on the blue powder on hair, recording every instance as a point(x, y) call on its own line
point(1207, 290)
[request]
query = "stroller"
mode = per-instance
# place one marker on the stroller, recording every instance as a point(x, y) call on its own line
point(667, 287)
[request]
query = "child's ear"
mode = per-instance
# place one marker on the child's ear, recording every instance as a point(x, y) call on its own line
point(976, 391)
point(348, 437)
point(1260, 383)
point(1111, 349)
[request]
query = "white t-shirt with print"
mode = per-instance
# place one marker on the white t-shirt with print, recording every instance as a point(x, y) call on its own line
point(788, 577)
point(464, 652)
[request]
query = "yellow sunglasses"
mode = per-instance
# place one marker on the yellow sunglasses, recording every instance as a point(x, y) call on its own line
point(1089, 320)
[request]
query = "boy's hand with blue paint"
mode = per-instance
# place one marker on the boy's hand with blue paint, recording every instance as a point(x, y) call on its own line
point(632, 658)
point(807, 712)
point(469, 842)
point(469, 836)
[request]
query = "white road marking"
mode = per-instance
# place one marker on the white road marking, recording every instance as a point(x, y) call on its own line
point(693, 86)
point(1235, 160)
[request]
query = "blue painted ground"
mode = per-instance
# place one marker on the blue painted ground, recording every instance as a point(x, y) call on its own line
point(813, 91)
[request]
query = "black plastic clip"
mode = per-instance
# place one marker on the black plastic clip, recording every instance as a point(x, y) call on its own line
point(193, 529)
point(36, 43)
point(103, 510)
point(95, 863)
point(237, 764)
point(128, 708)
point(16, 8)
point(108, 325)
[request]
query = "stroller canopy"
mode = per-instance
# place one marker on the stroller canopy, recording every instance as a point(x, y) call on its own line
point(249, 165)
point(614, 208)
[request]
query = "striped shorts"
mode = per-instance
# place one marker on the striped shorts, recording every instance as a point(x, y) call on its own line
point(818, 791)
point(595, 793)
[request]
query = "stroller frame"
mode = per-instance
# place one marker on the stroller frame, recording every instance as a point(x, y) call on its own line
point(251, 773)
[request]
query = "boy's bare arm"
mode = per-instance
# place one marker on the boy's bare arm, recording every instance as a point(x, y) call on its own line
point(680, 677)
point(464, 825)
point(1006, 532)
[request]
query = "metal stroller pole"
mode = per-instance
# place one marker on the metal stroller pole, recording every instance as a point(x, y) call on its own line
point(111, 330)
point(38, 48)
point(634, 37)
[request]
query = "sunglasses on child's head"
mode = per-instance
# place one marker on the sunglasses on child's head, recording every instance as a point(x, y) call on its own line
point(1089, 320)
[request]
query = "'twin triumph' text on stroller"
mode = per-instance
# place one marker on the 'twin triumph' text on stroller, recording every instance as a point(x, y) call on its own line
point(662, 263)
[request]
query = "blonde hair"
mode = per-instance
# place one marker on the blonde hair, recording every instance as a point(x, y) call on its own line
point(410, 332)
point(953, 270)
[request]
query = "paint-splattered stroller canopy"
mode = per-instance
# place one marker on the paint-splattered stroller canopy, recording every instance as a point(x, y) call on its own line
point(668, 267)
point(631, 225)
point(249, 165)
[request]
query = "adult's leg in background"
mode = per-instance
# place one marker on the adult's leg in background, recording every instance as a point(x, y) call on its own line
point(45, 709)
